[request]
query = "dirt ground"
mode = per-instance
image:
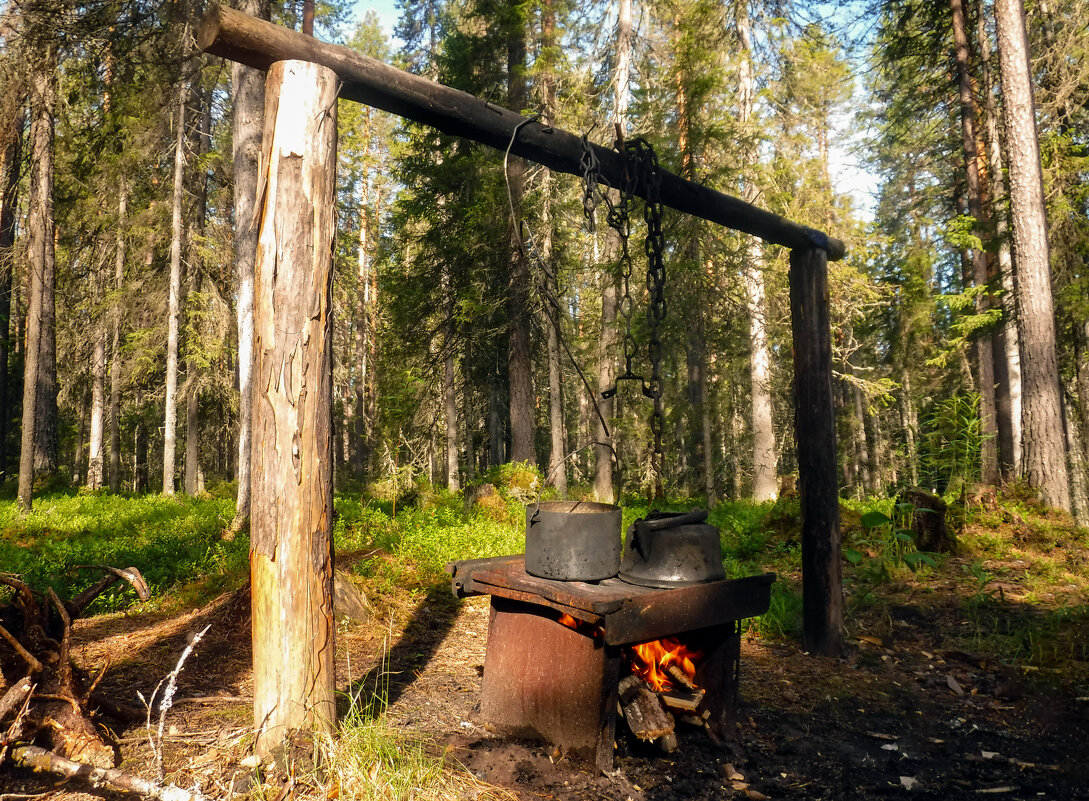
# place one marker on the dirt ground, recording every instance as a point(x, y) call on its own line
point(898, 716)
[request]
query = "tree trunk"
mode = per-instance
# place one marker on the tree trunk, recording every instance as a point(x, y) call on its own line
point(139, 447)
point(469, 416)
point(496, 435)
point(95, 461)
point(765, 468)
point(449, 389)
point(815, 431)
point(1082, 366)
point(520, 367)
point(909, 426)
point(10, 160)
point(38, 454)
point(604, 455)
point(1078, 489)
point(173, 313)
point(1044, 444)
point(450, 408)
point(115, 350)
point(363, 315)
point(1006, 351)
point(79, 446)
point(983, 350)
point(194, 476)
point(862, 450)
point(557, 464)
point(248, 101)
point(291, 555)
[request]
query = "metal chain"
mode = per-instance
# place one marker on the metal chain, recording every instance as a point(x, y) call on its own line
point(654, 247)
point(590, 167)
point(619, 219)
point(641, 176)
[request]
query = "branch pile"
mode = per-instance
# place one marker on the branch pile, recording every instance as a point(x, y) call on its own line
point(45, 700)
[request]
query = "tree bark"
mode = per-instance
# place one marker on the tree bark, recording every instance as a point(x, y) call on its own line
point(194, 476)
point(519, 364)
point(1005, 347)
point(38, 454)
point(983, 349)
point(364, 313)
point(10, 159)
point(248, 102)
point(95, 461)
point(1044, 443)
point(291, 555)
point(815, 431)
point(173, 312)
point(557, 464)
point(765, 468)
point(115, 350)
point(604, 454)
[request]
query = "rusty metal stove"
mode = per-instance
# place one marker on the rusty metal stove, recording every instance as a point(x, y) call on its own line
point(545, 679)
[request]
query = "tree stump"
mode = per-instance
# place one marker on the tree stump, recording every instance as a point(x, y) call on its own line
point(927, 521)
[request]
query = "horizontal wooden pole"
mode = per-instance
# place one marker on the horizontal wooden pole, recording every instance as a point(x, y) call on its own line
point(257, 43)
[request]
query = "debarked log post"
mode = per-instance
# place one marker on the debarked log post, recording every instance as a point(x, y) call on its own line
point(815, 433)
point(291, 554)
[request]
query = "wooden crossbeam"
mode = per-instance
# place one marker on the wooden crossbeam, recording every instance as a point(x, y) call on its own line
point(256, 43)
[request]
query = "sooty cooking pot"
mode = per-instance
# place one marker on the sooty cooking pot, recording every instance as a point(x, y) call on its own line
point(672, 550)
point(573, 540)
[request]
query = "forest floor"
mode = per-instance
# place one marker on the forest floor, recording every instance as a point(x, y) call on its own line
point(968, 680)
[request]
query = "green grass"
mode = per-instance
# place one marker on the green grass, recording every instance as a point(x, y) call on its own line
point(172, 541)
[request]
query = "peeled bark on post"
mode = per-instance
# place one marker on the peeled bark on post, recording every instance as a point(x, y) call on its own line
point(1043, 440)
point(815, 430)
point(173, 312)
point(291, 555)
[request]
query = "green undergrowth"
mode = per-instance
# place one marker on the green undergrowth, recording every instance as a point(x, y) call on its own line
point(1017, 585)
point(174, 542)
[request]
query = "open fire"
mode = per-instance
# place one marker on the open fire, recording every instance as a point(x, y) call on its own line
point(665, 663)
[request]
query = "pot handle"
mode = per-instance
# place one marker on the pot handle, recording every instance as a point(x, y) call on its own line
point(695, 516)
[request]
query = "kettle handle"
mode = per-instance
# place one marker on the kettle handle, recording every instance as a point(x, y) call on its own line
point(695, 516)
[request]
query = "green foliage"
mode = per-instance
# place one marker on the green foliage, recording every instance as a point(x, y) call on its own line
point(172, 541)
point(949, 450)
point(884, 543)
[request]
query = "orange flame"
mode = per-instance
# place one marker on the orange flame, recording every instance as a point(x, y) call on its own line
point(566, 620)
point(652, 660)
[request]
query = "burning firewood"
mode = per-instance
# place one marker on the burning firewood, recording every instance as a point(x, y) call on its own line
point(680, 701)
point(644, 713)
point(680, 677)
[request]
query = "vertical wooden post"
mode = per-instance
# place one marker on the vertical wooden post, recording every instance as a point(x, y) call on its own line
point(291, 554)
point(815, 430)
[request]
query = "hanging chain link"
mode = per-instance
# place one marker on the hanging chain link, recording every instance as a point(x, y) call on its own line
point(642, 176)
point(590, 167)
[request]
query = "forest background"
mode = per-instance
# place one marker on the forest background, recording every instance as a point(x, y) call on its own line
point(478, 312)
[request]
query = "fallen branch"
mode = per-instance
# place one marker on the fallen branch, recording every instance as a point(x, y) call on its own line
point(113, 575)
point(38, 759)
point(35, 665)
point(15, 695)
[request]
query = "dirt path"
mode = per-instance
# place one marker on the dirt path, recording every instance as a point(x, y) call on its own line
point(897, 717)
